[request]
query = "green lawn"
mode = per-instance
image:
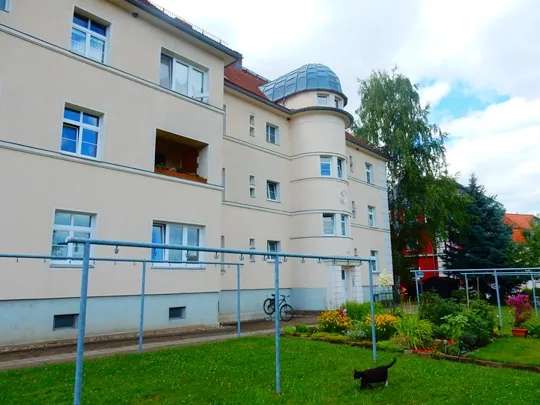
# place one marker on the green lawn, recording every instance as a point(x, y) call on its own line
point(511, 350)
point(241, 371)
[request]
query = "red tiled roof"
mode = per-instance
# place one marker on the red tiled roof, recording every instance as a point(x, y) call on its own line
point(519, 223)
point(245, 79)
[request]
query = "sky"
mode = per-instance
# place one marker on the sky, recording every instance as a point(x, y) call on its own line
point(477, 65)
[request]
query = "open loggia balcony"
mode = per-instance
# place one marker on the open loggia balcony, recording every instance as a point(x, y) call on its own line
point(180, 157)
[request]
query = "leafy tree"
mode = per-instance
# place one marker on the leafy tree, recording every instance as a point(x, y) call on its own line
point(528, 254)
point(422, 196)
point(486, 240)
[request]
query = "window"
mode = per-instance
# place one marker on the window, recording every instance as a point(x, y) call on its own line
point(80, 133)
point(344, 225)
point(322, 99)
point(183, 78)
point(373, 265)
point(326, 166)
point(65, 321)
point(251, 125)
point(177, 313)
point(66, 225)
point(369, 173)
point(353, 204)
point(272, 134)
point(371, 215)
point(176, 234)
point(351, 166)
point(272, 190)
point(340, 167)
point(252, 247)
point(88, 37)
point(338, 102)
point(252, 186)
point(4, 5)
point(329, 224)
point(273, 246)
point(224, 119)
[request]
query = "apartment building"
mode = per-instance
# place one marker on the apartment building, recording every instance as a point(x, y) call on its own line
point(121, 121)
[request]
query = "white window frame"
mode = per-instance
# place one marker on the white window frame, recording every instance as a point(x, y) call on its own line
point(7, 7)
point(252, 187)
point(369, 173)
point(321, 97)
point(340, 168)
point(374, 265)
point(277, 192)
point(276, 134)
point(338, 102)
point(325, 159)
point(88, 33)
point(71, 229)
point(372, 216)
point(344, 222)
point(252, 246)
point(166, 241)
point(252, 125)
point(203, 97)
point(80, 125)
point(333, 219)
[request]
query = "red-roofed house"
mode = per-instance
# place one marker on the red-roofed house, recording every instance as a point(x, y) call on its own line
point(519, 223)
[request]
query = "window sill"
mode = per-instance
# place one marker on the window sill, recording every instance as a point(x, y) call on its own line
point(66, 265)
point(187, 267)
point(273, 201)
point(92, 158)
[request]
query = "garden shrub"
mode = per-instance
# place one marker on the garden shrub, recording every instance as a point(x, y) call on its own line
point(358, 310)
point(434, 308)
point(471, 328)
point(533, 326)
point(413, 332)
point(334, 321)
point(301, 328)
point(289, 330)
point(358, 331)
point(385, 325)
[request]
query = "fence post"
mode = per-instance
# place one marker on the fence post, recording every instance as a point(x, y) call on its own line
point(467, 288)
point(276, 321)
point(141, 314)
point(82, 325)
point(498, 299)
point(417, 289)
point(372, 311)
point(534, 294)
point(238, 300)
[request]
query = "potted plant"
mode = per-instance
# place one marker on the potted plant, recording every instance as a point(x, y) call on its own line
point(522, 312)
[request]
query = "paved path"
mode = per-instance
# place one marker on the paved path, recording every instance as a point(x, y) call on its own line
point(66, 357)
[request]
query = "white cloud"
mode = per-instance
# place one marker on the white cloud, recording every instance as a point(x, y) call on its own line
point(433, 94)
point(501, 145)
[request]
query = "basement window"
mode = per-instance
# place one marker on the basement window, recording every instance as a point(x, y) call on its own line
point(180, 157)
point(177, 313)
point(65, 321)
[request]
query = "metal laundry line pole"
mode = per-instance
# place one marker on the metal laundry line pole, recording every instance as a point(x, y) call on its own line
point(238, 300)
point(372, 314)
point(498, 299)
point(533, 280)
point(416, 276)
point(141, 320)
point(467, 289)
point(114, 243)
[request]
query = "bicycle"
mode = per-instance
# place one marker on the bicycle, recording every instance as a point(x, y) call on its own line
point(285, 310)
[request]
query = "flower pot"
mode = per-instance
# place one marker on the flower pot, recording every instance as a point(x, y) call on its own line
point(519, 332)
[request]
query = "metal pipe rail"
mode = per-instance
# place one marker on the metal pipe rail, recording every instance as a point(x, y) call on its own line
point(275, 256)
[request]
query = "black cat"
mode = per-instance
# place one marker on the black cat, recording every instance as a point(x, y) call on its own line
point(373, 375)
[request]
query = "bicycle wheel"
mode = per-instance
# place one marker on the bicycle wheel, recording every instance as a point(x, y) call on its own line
point(268, 306)
point(286, 312)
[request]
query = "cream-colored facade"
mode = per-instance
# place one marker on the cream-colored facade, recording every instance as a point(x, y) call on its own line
point(129, 195)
